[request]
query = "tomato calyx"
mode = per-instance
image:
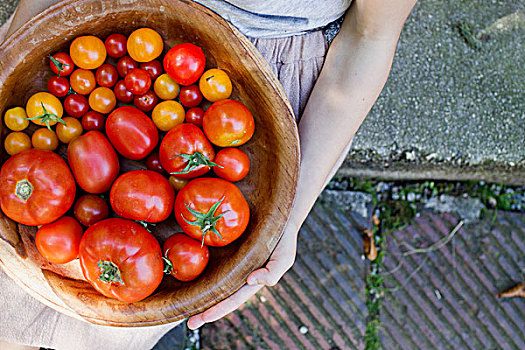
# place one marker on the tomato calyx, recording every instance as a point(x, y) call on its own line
point(24, 190)
point(48, 116)
point(60, 66)
point(109, 272)
point(194, 160)
point(206, 221)
point(145, 224)
point(168, 265)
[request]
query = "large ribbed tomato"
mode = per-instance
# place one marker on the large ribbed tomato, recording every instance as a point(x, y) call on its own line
point(36, 187)
point(121, 259)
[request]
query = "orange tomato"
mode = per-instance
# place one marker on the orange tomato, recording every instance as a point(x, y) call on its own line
point(88, 52)
point(102, 100)
point(144, 45)
point(16, 142)
point(82, 81)
point(215, 85)
point(165, 87)
point(15, 119)
point(72, 129)
point(45, 139)
point(167, 115)
point(44, 109)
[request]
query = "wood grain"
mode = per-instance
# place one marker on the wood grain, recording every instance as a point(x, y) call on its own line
point(273, 150)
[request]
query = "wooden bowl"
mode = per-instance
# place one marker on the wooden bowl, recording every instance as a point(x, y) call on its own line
point(273, 150)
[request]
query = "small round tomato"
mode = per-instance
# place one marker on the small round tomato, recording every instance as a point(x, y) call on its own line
point(106, 75)
point(144, 45)
point(145, 102)
point(187, 257)
point(93, 121)
point(59, 241)
point(234, 164)
point(121, 260)
point(61, 64)
point(153, 163)
point(165, 87)
point(125, 64)
point(116, 45)
point(190, 96)
point(122, 93)
point(131, 132)
point(58, 86)
point(195, 115)
point(16, 142)
point(43, 108)
point(177, 183)
point(90, 209)
point(15, 119)
point(45, 139)
point(70, 131)
point(76, 105)
point(215, 85)
point(82, 81)
point(102, 100)
point(88, 52)
point(228, 123)
point(185, 63)
point(142, 195)
point(167, 114)
point(154, 68)
point(138, 81)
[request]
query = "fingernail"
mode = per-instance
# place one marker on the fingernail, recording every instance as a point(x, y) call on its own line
point(193, 324)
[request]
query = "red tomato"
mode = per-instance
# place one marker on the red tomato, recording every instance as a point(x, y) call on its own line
point(153, 163)
point(122, 94)
point(125, 64)
point(93, 121)
point(146, 102)
point(61, 64)
point(142, 195)
point(93, 161)
point(59, 241)
point(58, 86)
point(121, 260)
point(190, 96)
point(185, 152)
point(137, 81)
point(235, 164)
point(185, 63)
point(36, 187)
point(187, 257)
point(213, 211)
point(131, 132)
point(116, 45)
point(195, 115)
point(106, 75)
point(228, 123)
point(76, 105)
point(154, 68)
point(90, 209)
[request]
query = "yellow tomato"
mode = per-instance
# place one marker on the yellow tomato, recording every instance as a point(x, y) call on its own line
point(88, 52)
point(167, 115)
point(16, 142)
point(165, 87)
point(45, 139)
point(72, 129)
point(15, 119)
point(102, 100)
point(44, 109)
point(215, 85)
point(144, 45)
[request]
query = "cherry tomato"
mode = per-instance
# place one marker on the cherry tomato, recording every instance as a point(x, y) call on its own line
point(131, 132)
point(106, 75)
point(45, 139)
point(93, 161)
point(16, 142)
point(61, 64)
point(195, 115)
point(93, 121)
point(116, 45)
point(235, 164)
point(121, 260)
point(72, 129)
point(121, 93)
point(228, 123)
point(36, 187)
point(145, 45)
point(213, 211)
point(138, 81)
point(185, 152)
point(187, 257)
point(15, 119)
point(90, 209)
point(125, 64)
point(145, 102)
point(82, 81)
point(76, 105)
point(59, 241)
point(154, 68)
point(190, 96)
point(167, 114)
point(185, 63)
point(153, 163)
point(142, 195)
point(177, 182)
point(215, 85)
point(88, 52)
point(58, 86)
point(165, 87)
point(102, 100)
point(43, 108)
